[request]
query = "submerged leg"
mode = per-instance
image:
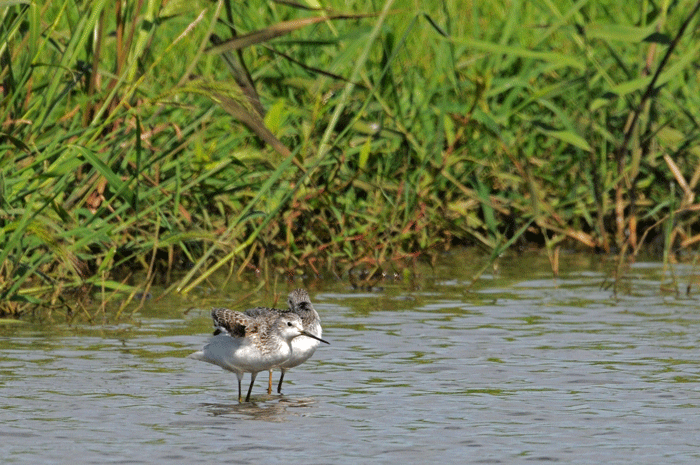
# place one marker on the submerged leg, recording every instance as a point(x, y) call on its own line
point(279, 386)
point(250, 389)
point(269, 384)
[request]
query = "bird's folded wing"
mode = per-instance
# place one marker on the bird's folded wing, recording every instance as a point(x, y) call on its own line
point(233, 323)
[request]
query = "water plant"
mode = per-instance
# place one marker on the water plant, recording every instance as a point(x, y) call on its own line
point(168, 141)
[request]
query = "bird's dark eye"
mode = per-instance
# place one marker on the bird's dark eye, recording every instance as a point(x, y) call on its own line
point(289, 323)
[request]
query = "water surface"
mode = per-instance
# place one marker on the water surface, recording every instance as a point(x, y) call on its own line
point(519, 368)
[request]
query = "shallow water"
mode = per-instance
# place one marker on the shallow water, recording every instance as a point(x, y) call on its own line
point(521, 368)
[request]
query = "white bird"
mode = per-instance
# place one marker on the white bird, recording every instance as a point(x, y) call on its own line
point(245, 344)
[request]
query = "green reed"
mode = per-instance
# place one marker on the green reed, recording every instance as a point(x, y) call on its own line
point(163, 142)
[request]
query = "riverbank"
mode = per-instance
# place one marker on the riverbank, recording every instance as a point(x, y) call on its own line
point(220, 137)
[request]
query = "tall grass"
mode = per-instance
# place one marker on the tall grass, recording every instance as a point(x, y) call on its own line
point(164, 141)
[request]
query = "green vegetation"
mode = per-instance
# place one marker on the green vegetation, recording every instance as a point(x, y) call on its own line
point(175, 139)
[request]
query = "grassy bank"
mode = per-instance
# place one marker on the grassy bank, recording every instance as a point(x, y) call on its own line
point(173, 140)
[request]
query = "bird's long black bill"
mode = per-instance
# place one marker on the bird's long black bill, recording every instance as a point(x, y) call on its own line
point(306, 333)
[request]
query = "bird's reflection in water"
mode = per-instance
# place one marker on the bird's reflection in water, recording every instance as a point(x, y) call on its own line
point(266, 408)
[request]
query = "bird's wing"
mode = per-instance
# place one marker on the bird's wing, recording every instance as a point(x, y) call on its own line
point(233, 323)
point(260, 311)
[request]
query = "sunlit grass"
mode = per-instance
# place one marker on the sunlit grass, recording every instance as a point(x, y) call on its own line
point(134, 142)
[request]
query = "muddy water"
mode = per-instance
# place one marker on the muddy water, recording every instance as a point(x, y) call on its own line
point(521, 368)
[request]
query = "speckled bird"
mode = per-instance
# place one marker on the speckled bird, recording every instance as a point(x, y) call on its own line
point(250, 344)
